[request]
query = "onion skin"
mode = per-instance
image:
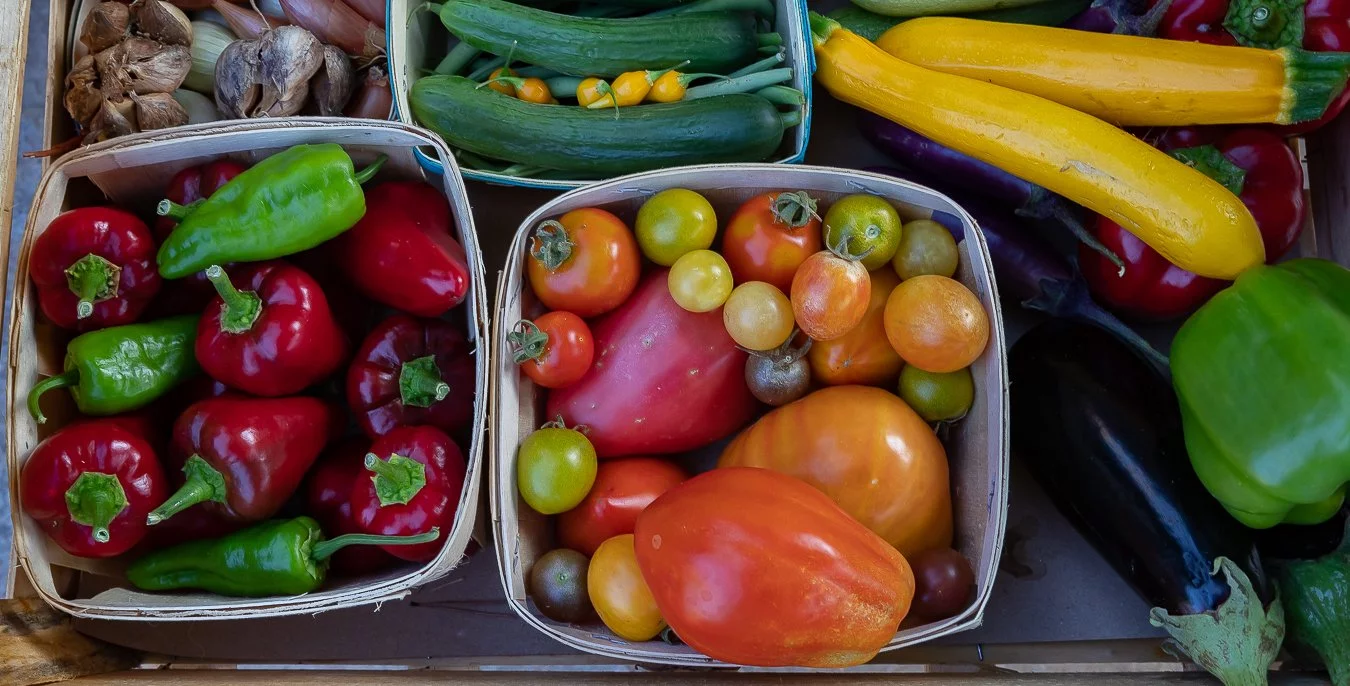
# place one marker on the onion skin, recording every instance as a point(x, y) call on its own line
point(370, 9)
point(244, 22)
point(336, 23)
point(373, 99)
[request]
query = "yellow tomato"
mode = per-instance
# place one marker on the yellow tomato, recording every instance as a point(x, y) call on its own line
point(620, 596)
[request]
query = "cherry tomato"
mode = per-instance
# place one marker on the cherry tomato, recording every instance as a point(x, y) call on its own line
point(943, 583)
point(554, 350)
point(863, 355)
point(622, 490)
point(619, 594)
point(926, 247)
point(936, 324)
point(770, 236)
point(869, 223)
point(699, 281)
point(557, 585)
point(938, 397)
point(830, 295)
point(586, 262)
point(555, 469)
point(758, 316)
point(674, 222)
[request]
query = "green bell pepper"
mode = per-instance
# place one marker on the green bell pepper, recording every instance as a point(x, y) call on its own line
point(287, 203)
point(1263, 375)
point(123, 368)
point(1316, 595)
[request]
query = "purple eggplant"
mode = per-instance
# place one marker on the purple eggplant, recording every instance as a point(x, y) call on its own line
point(1128, 17)
point(954, 172)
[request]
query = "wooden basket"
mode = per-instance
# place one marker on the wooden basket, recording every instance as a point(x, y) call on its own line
point(977, 446)
point(419, 39)
point(132, 171)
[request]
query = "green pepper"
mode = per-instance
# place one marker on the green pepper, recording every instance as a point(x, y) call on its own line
point(122, 368)
point(1316, 595)
point(289, 202)
point(1263, 375)
point(280, 557)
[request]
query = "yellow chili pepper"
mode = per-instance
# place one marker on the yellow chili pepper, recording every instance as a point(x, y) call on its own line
point(501, 86)
point(672, 85)
point(591, 90)
point(530, 90)
point(632, 87)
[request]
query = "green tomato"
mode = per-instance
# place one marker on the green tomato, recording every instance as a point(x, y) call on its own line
point(674, 222)
point(937, 397)
point(555, 469)
point(926, 247)
point(870, 223)
point(700, 281)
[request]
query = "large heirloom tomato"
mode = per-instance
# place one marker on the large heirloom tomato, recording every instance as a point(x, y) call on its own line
point(865, 449)
point(753, 567)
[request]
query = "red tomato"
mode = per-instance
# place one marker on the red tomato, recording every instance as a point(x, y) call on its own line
point(830, 295)
point(554, 350)
point(770, 236)
point(586, 262)
point(622, 490)
point(863, 355)
point(754, 567)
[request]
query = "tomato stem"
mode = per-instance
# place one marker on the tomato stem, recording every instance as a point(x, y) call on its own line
point(528, 342)
point(795, 209)
point(552, 246)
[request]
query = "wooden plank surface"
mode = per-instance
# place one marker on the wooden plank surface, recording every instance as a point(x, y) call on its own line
point(13, 49)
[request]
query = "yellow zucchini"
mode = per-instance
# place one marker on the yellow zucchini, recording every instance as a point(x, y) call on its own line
point(1128, 80)
point(1183, 214)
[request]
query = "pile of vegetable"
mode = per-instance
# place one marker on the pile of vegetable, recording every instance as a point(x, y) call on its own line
point(652, 346)
point(220, 354)
point(657, 84)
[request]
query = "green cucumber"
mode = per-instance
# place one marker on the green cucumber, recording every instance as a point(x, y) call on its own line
point(717, 42)
point(724, 128)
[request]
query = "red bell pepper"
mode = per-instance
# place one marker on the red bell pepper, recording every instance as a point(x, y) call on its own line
point(243, 457)
point(418, 476)
point(193, 184)
point(329, 496)
point(1151, 289)
point(270, 331)
point(94, 267)
point(90, 487)
point(1317, 25)
point(402, 253)
point(410, 372)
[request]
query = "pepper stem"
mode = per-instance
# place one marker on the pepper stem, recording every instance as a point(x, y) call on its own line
point(1208, 160)
point(369, 172)
point(1266, 24)
point(94, 500)
point(652, 76)
point(420, 384)
point(174, 211)
point(69, 378)
point(240, 309)
point(204, 483)
point(552, 247)
point(325, 549)
point(398, 479)
point(94, 279)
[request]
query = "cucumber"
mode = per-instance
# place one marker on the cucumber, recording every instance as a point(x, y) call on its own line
point(725, 128)
point(715, 42)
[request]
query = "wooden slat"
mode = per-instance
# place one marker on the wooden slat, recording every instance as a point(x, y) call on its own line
point(38, 646)
point(13, 50)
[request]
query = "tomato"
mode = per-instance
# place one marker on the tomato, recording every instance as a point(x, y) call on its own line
point(830, 295)
point(623, 489)
point(554, 350)
point(758, 316)
point(555, 469)
point(674, 222)
point(863, 355)
point(769, 236)
point(936, 324)
point(779, 376)
point(869, 223)
point(700, 281)
point(557, 585)
point(865, 449)
point(938, 397)
point(944, 584)
point(926, 247)
point(753, 567)
point(586, 262)
point(619, 593)
point(651, 355)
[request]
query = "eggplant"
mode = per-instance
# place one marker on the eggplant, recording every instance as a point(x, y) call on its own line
point(1100, 430)
point(1127, 17)
point(952, 171)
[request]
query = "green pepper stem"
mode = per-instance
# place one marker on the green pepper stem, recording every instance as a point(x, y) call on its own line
point(369, 172)
point(652, 76)
point(203, 483)
point(241, 309)
point(398, 479)
point(94, 500)
point(172, 210)
point(69, 378)
point(325, 549)
point(94, 279)
point(420, 383)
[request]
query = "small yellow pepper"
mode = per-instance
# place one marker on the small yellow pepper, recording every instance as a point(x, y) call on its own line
point(591, 90)
point(631, 87)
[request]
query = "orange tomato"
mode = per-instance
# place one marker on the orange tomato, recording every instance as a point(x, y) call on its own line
point(863, 355)
point(829, 295)
point(936, 324)
point(620, 596)
point(586, 262)
point(866, 450)
point(770, 236)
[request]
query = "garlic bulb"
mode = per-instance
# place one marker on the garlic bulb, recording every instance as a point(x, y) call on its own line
point(108, 24)
point(161, 21)
point(208, 42)
point(268, 77)
point(158, 111)
point(332, 86)
point(143, 66)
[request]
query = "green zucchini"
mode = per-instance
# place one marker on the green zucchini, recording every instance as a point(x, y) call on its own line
point(725, 128)
point(716, 42)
